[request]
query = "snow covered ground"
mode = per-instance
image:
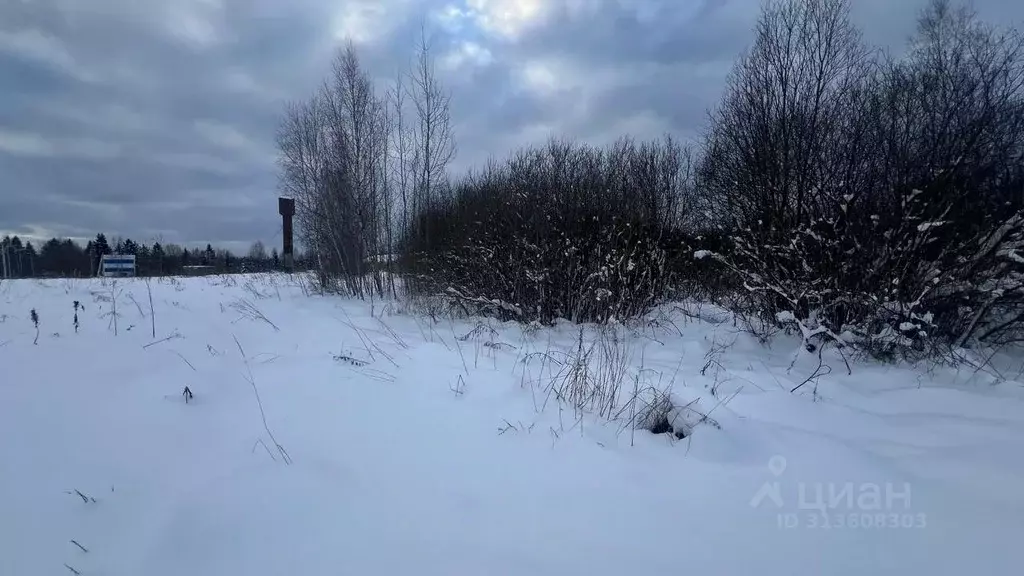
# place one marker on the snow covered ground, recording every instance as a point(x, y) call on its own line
point(329, 436)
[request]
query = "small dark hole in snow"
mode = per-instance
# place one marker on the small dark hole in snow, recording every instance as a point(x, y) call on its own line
point(663, 426)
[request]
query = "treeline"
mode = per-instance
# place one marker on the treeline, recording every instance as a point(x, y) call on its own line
point(840, 191)
point(63, 257)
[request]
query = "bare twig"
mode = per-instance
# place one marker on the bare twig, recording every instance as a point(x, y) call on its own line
point(171, 337)
point(86, 499)
point(152, 311)
point(249, 310)
point(818, 372)
point(186, 361)
point(82, 548)
point(137, 305)
point(263, 415)
point(260, 442)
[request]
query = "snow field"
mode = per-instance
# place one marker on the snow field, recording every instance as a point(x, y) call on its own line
point(414, 446)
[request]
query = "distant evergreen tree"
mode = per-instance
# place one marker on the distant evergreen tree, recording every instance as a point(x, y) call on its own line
point(143, 261)
point(63, 258)
point(157, 258)
point(102, 246)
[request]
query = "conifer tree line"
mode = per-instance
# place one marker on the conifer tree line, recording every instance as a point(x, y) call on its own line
point(839, 190)
point(63, 257)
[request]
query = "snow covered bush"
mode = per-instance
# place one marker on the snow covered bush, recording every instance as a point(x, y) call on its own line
point(873, 201)
point(564, 231)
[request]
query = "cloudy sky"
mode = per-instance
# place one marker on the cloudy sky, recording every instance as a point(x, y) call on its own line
point(154, 119)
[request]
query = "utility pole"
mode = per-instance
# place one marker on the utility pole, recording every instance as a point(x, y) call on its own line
point(286, 208)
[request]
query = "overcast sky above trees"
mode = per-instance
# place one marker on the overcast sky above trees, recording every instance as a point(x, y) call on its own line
point(156, 119)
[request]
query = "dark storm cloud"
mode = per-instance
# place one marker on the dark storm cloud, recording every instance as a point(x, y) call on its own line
point(115, 118)
point(156, 119)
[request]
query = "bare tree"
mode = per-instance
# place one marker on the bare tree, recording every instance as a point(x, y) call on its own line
point(257, 251)
point(402, 146)
point(302, 142)
point(335, 162)
point(433, 132)
point(775, 145)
